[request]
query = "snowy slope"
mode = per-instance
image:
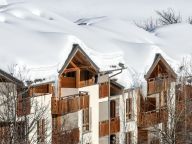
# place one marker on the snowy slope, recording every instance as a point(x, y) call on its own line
point(40, 34)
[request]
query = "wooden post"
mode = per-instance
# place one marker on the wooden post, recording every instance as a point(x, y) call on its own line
point(59, 87)
point(78, 78)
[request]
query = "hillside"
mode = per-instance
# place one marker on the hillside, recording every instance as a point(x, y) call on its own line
point(39, 34)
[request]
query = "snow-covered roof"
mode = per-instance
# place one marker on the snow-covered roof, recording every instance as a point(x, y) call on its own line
point(9, 77)
point(40, 34)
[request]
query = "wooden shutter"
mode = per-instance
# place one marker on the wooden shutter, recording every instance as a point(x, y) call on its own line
point(86, 119)
point(128, 138)
point(129, 108)
point(41, 130)
point(112, 109)
point(19, 105)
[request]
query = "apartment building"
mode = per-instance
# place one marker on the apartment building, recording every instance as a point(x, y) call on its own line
point(9, 89)
point(87, 105)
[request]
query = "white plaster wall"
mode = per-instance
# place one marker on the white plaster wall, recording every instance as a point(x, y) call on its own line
point(87, 138)
point(37, 103)
point(68, 91)
point(103, 111)
point(122, 118)
point(94, 116)
point(171, 98)
point(70, 121)
point(7, 89)
point(128, 126)
point(103, 140)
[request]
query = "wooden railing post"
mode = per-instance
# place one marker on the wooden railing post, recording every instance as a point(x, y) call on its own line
point(78, 78)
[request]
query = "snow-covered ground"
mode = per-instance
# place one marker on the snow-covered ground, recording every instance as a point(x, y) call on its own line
point(40, 34)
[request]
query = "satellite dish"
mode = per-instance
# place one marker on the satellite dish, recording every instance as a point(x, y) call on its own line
point(121, 65)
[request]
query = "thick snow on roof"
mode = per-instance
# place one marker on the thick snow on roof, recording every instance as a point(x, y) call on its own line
point(40, 34)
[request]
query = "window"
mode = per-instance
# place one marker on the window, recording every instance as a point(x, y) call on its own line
point(41, 130)
point(86, 119)
point(54, 122)
point(128, 138)
point(21, 127)
point(113, 139)
point(129, 108)
point(112, 108)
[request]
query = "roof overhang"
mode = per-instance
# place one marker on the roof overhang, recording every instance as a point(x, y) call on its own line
point(76, 48)
point(159, 57)
point(10, 78)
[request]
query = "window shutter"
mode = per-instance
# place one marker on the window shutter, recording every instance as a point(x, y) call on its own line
point(112, 109)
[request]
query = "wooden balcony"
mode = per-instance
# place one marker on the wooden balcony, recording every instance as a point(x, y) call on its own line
point(157, 85)
point(69, 104)
point(87, 83)
point(67, 82)
point(104, 127)
point(41, 90)
point(103, 90)
point(150, 118)
point(23, 106)
point(66, 136)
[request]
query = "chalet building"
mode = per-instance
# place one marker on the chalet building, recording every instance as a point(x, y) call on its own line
point(86, 105)
point(82, 107)
point(9, 89)
point(144, 113)
point(160, 95)
point(86, 108)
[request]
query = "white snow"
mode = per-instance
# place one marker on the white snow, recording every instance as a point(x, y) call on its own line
point(3, 2)
point(40, 34)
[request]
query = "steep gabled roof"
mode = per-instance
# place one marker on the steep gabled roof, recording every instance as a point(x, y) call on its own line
point(9, 77)
point(159, 57)
point(74, 50)
point(117, 84)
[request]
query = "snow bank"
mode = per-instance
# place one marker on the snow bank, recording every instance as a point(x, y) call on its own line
point(40, 34)
point(3, 2)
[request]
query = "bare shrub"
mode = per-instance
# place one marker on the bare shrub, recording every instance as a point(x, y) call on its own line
point(189, 20)
point(165, 18)
point(169, 17)
point(149, 25)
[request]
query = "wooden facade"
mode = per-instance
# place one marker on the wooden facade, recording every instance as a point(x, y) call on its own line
point(153, 108)
point(69, 104)
point(23, 104)
point(114, 127)
point(104, 90)
point(183, 113)
point(42, 89)
point(151, 118)
point(156, 85)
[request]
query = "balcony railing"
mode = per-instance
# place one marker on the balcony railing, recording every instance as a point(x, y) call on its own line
point(104, 126)
point(150, 118)
point(67, 136)
point(23, 106)
point(67, 82)
point(69, 104)
point(70, 82)
point(87, 82)
point(157, 85)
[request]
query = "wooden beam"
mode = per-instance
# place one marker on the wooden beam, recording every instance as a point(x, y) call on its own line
point(77, 68)
point(71, 70)
point(73, 64)
point(78, 78)
point(81, 58)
